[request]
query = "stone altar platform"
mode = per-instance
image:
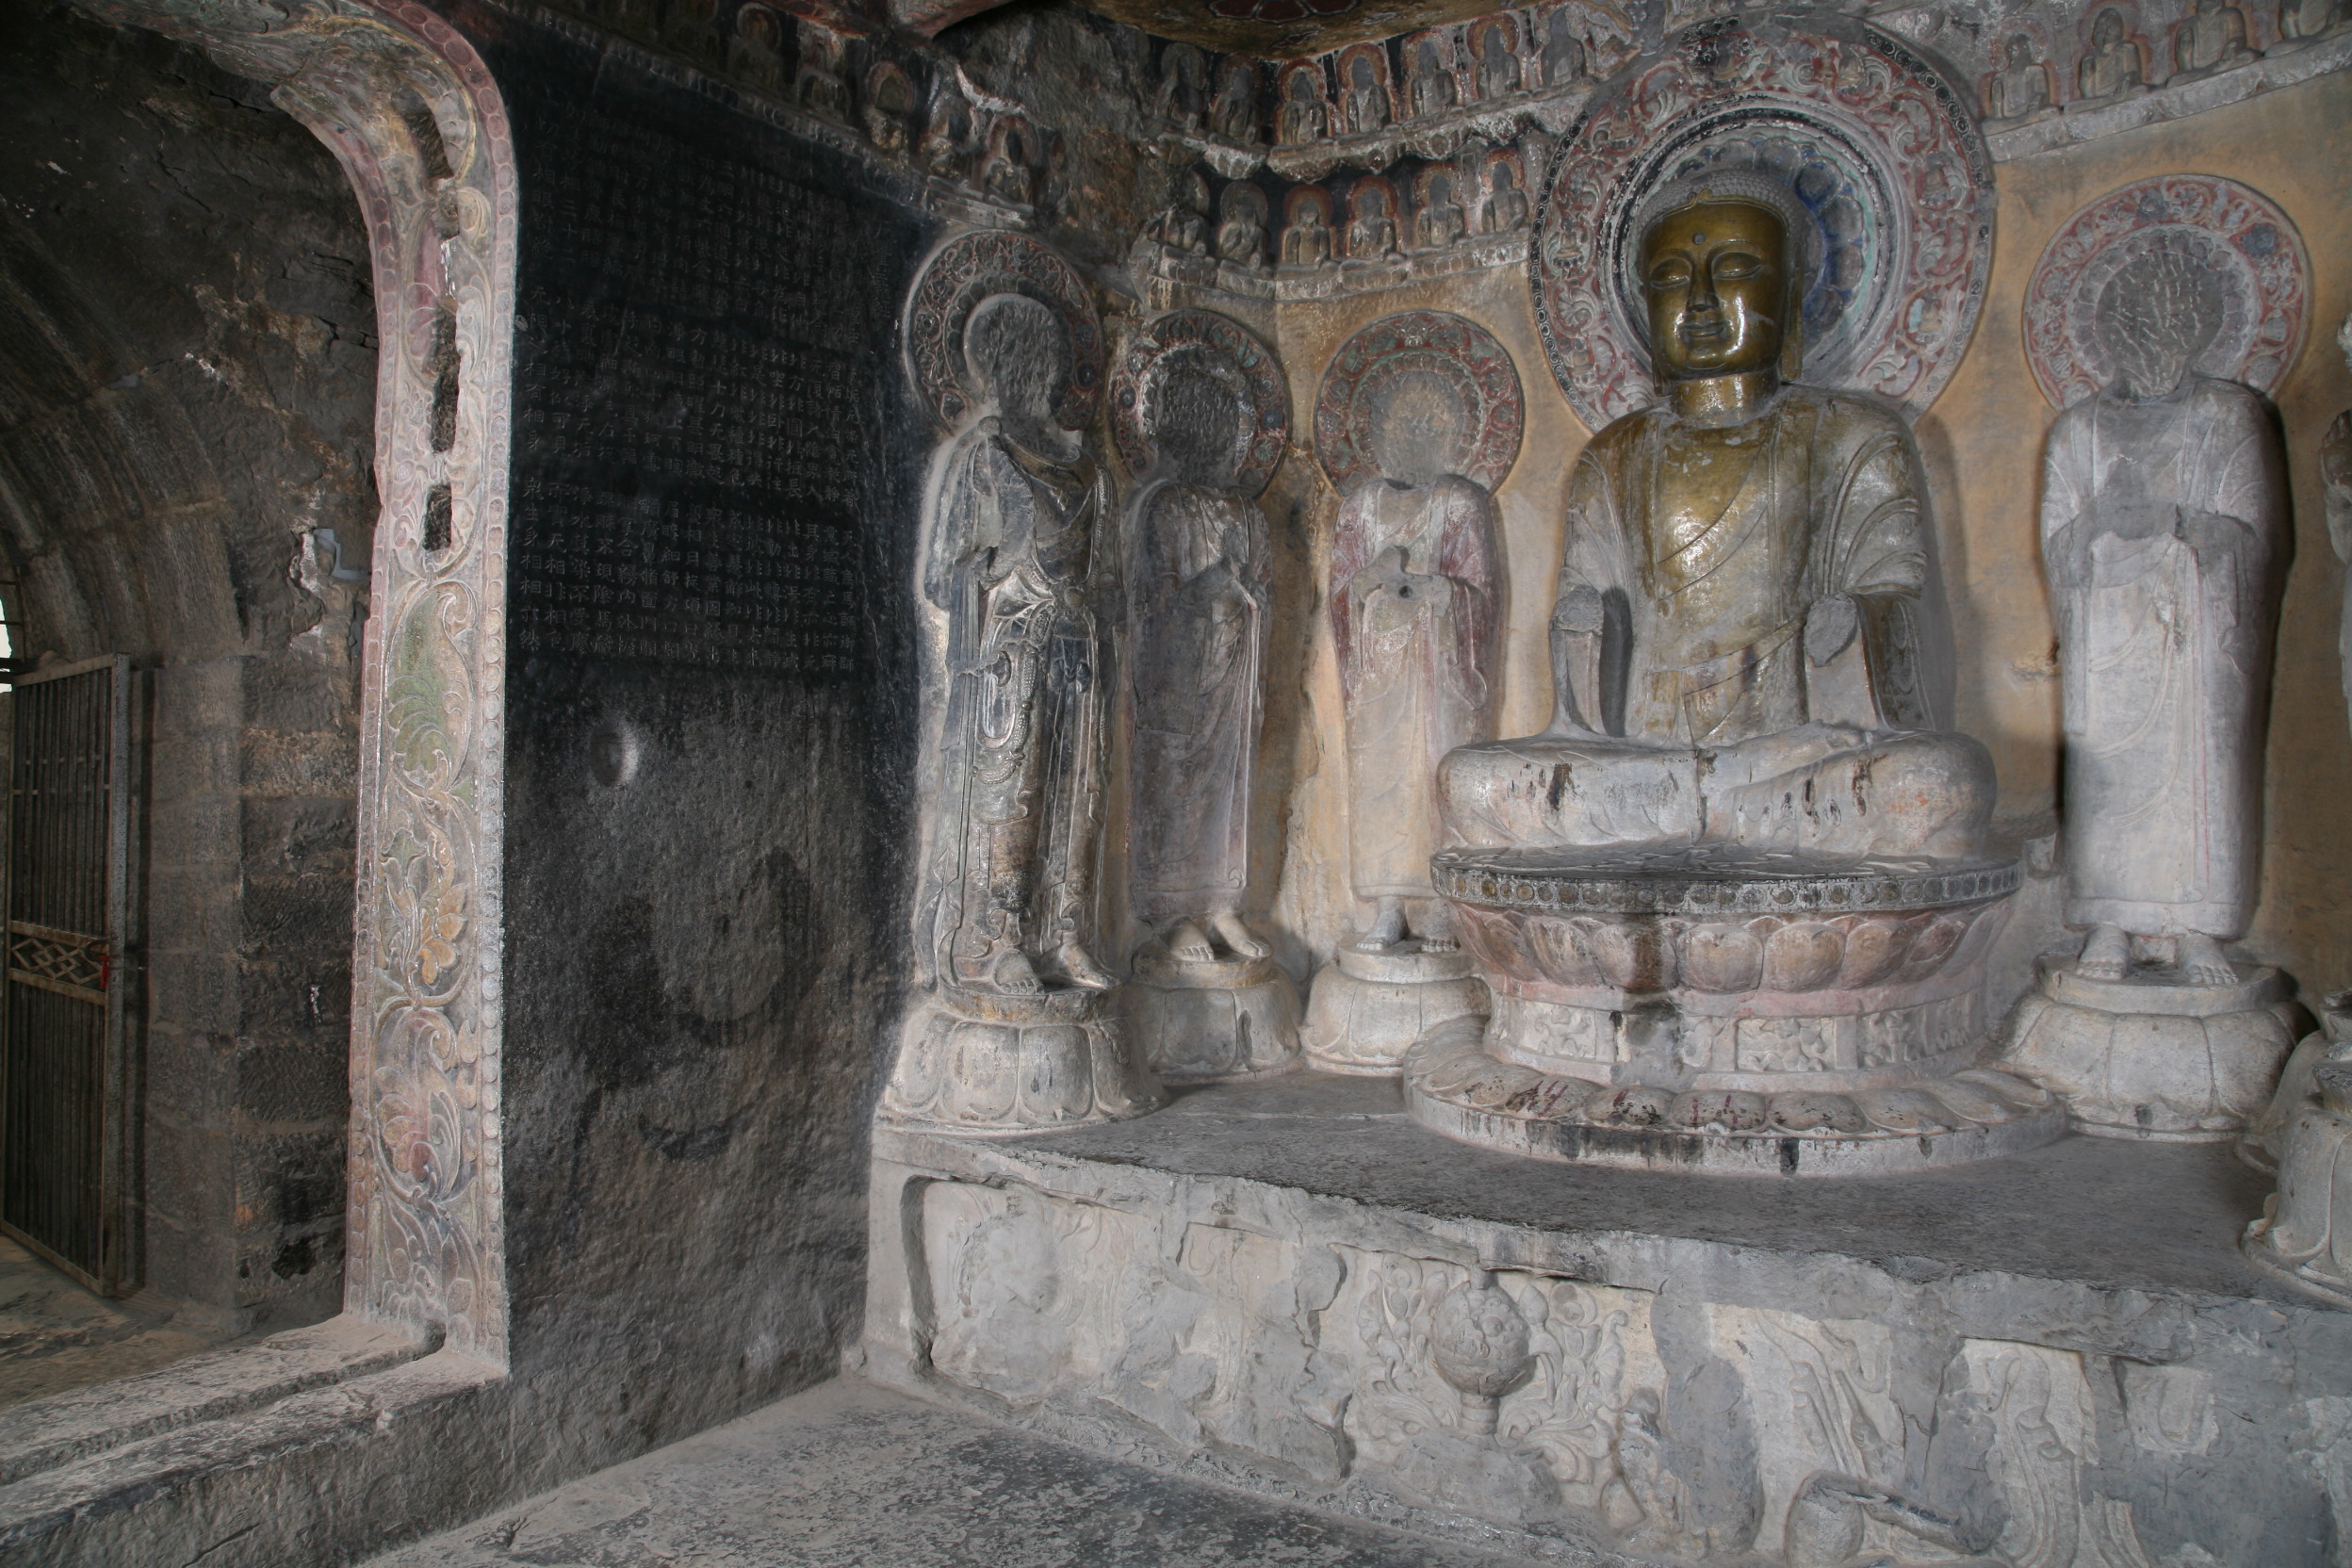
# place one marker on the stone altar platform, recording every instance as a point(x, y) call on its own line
point(1727, 1010)
point(2057, 1357)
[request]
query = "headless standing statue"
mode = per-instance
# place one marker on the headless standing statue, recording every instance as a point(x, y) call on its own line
point(2162, 520)
point(1413, 614)
point(1201, 595)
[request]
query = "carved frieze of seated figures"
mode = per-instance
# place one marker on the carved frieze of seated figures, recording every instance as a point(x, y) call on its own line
point(2163, 528)
point(1013, 1032)
point(1740, 892)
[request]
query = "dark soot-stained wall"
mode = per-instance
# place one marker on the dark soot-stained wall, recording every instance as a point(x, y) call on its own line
point(710, 730)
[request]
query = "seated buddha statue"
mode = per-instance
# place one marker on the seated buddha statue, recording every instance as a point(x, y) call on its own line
point(1742, 640)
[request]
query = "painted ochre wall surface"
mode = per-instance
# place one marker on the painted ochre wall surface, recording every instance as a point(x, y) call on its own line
point(1981, 443)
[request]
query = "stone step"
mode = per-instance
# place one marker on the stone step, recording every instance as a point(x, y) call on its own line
point(851, 1476)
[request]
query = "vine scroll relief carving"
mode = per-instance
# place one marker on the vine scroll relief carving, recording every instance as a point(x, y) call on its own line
point(411, 111)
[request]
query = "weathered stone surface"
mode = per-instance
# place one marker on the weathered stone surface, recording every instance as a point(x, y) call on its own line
point(2055, 1358)
point(2148, 1056)
point(185, 401)
point(852, 1476)
point(1367, 1008)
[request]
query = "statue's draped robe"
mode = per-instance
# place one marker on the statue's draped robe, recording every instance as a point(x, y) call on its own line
point(1413, 673)
point(2161, 526)
point(1712, 725)
point(1020, 755)
point(1198, 584)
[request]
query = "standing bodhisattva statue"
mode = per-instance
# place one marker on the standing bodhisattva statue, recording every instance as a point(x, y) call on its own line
point(1201, 601)
point(2163, 514)
point(1008, 900)
point(1742, 628)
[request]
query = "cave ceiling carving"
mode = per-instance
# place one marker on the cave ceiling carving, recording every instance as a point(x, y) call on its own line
point(1270, 30)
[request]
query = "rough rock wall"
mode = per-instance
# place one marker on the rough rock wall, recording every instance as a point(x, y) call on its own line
point(187, 391)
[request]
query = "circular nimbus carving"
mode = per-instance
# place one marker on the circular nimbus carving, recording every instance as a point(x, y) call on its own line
point(1878, 147)
point(2246, 248)
point(1428, 353)
point(971, 268)
point(1227, 352)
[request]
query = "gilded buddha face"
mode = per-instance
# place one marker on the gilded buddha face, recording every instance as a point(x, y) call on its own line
point(1717, 277)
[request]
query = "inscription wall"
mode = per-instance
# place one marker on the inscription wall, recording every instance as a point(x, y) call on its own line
point(701, 420)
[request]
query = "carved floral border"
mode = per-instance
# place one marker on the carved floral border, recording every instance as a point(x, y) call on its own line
point(411, 113)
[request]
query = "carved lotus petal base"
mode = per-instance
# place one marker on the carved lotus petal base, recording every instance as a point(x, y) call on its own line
point(1455, 1087)
point(2150, 1059)
point(1208, 1022)
point(1367, 1008)
point(2265, 1137)
point(974, 1062)
point(1726, 1010)
point(2305, 1235)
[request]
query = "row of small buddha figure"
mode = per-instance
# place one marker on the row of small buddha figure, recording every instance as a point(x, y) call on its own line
point(1000, 151)
point(1450, 204)
point(1485, 193)
point(1354, 91)
point(2117, 61)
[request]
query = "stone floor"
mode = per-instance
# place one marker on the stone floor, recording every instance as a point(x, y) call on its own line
point(54, 1334)
point(850, 1475)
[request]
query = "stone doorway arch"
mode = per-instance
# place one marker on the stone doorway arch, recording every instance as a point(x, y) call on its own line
point(412, 114)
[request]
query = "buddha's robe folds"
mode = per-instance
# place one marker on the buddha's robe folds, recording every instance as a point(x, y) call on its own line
point(2163, 524)
point(1200, 599)
point(1714, 726)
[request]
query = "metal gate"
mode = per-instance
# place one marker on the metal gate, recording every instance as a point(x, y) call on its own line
point(65, 1100)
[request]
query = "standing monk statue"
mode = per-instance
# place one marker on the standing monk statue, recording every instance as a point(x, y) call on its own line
point(2163, 520)
point(1009, 897)
point(1200, 600)
point(1746, 627)
point(1413, 619)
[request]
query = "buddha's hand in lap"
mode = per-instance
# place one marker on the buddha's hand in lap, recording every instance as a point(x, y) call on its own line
point(1831, 627)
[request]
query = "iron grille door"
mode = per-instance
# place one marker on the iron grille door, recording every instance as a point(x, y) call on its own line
point(65, 1105)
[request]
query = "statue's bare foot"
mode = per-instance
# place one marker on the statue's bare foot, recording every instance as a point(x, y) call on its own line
point(1387, 928)
point(1437, 934)
point(1079, 965)
point(1014, 975)
point(1236, 934)
point(1188, 943)
point(2202, 961)
point(2106, 954)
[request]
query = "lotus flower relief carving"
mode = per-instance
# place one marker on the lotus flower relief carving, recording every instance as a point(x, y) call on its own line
point(1481, 1347)
point(1641, 954)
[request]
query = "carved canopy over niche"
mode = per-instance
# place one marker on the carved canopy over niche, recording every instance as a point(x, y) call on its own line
point(1881, 149)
